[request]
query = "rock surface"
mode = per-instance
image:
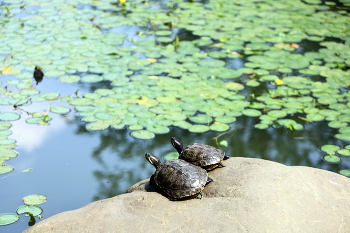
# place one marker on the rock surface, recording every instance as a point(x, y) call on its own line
point(248, 195)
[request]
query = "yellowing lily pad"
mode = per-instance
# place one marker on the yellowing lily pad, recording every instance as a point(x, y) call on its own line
point(34, 199)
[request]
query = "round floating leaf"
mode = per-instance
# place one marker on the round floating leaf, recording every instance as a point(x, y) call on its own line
point(6, 219)
point(172, 155)
point(5, 132)
point(223, 143)
point(50, 95)
point(98, 125)
point(143, 134)
point(219, 127)
point(5, 169)
point(330, 148)
point(91, 78)
point(9, 116)
point(81, 101)
point(34, 199)
point(182, 124)
point(135, 127)
point(225, 119)
point(261, 126)
point(34, 120)
point(315, 117)
point(251, 112)
point(158, 129)
point(5, 125)
point(337, 124)
point(7, 141)
point(201, 119)
point(104, 116)
point(345, 172)
point(277, 113)
point(344, 152)
point(118, 126)
point(7, 154)
point(332, 158)
point(198, 128)
point(343, 136)
point(60, 110)
point(70, 79)
point(35, 210)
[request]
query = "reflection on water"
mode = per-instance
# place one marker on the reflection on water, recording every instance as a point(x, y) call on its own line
point(74, 167)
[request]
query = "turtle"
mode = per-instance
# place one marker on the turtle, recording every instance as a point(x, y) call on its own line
point(205, 156)
point(177, 178)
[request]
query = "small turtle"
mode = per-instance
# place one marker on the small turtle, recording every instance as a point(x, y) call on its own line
point(178, 178)
point(205, 156)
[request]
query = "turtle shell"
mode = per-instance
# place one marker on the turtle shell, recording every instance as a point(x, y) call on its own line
point(179, 179)
point(204, 156)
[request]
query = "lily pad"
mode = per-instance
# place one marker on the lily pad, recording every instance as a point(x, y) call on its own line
point(345, 137)
point(251, 112)
point(9, 116)
point(6, 219)
point(332, 158)
point(344, 152)
point(35, 210)
point(158, 129)
point(345, 172)
point(219, 127)
point(143, 134)
point(330, 148)
point(60, 110)
point(172, 155)
point(7, 154)
point(5, 169)
point(5, 125)
point(98, 125)
point(198, 128)
point(34, 199)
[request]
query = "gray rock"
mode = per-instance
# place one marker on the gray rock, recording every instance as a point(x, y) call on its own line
point(248, 195)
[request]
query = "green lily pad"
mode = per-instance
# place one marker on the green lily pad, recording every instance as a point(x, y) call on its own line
point(201, 119)
point(98, 125)
point(158, 129)
point(277, 113)
point(198, 128)
point(35, 210)
point(34, 120)
point(6, 219)
point(69, 78)
point(251, 112)
point(172, 155)
point(34, 199)
point(330, 148)
point(7, 154)
point(261, 126)
point(60, 110)
point(343, 136)
point(5, 169)
point(219, 127)
point(50, 95)
point(332, 158)
point(91, 78)
point(143, 134)
point(7, 141)
point(345, 172)
point(9, 116)
point(5, 125)
point(225, 119)
point(344, 152)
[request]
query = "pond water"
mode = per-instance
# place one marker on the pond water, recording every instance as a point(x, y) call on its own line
point(73, 163)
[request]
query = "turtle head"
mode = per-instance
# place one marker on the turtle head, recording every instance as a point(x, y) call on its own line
point(154, 160)
point(177, 145)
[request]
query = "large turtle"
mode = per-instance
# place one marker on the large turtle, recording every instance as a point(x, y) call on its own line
point(178, 178)
point(205, 156)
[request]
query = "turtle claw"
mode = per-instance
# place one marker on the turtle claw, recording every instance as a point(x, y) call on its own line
point(221, 165)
